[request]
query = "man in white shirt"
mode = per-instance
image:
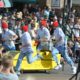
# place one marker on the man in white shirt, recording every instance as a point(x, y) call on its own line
point(8, 37)
point(26, 49)
point(61, 44)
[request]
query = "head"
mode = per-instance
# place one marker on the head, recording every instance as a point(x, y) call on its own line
point(69, 21)
point(43, 23)
point(18, 21)
point(55, 18)
point(5, 18)
point(7, 61)
point(55, 24)
point(24, 28)
point(4, 25)
point(79, 21)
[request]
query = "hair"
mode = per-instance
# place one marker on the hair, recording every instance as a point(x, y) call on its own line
point(7, 61)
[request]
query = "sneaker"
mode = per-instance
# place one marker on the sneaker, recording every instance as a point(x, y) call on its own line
point(74, 70)
point(58, 67)
point(18, 73)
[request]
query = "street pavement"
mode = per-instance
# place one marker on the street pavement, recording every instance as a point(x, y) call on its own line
point(52, 75)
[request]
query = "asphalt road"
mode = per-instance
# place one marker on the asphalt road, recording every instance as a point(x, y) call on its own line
point(53, 75)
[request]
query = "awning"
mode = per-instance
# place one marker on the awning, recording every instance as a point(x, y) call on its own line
point(5, 3)
point(25, 1)
point(1, 4)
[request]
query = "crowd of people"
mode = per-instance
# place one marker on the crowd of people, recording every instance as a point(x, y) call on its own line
point(17, 30)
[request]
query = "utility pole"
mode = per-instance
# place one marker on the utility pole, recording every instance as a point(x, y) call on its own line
point(69, 6)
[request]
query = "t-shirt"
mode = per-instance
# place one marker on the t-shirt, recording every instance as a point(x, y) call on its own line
point(8, 35)
point(43, 33)
point(26, 39)
point(8, 76)
point(58, 33)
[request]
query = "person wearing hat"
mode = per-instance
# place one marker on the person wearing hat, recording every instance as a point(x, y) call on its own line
point(61, 45)
point(8, 37)
point(26, 49)
point(44, 40)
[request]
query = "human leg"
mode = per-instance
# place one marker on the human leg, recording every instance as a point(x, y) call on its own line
point(11, 48)
point(20, 58)
point(54, 56)
point(30, 58)
point(65, 55)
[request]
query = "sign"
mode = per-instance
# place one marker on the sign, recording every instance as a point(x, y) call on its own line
point(57, 3)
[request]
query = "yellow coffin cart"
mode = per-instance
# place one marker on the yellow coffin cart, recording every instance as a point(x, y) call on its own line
point(46, 64)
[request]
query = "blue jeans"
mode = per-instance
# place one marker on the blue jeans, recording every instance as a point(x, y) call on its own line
point(29, 57)
point(54, 55)
point(53, 50)
point(64, 52)
point(9, 48)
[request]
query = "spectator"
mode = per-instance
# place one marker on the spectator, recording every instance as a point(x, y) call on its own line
point(7, 72)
